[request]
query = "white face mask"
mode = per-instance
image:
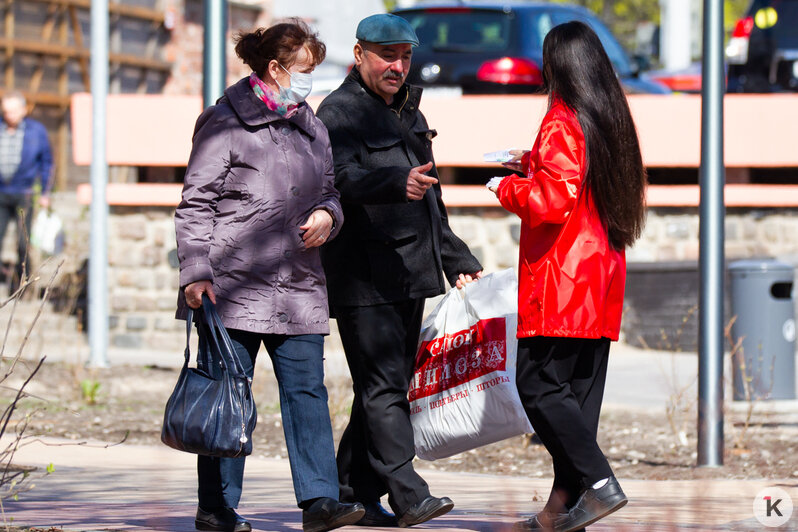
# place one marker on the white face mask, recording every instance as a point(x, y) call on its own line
point(301, 85)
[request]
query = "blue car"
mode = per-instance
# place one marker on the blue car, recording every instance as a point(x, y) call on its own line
point(497, 48)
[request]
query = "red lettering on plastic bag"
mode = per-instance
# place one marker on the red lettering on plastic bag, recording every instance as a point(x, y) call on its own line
point(457, 358)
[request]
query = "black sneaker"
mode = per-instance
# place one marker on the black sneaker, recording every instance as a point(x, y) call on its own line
point(591, 506)
point(326, 514)
point(424, 510)
point(223, 519)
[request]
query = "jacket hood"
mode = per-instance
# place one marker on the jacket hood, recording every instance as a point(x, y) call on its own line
point(253, 112)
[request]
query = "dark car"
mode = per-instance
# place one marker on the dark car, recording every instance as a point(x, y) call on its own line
point(489, 48)
point(762, 52)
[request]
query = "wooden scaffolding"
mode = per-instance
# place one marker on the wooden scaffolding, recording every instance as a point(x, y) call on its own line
point(45, 53)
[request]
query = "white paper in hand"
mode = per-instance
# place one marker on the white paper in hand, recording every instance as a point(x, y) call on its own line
point(501, 156)
point(494, 182)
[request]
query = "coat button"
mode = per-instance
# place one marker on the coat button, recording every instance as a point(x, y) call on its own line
point(287, 253)
point(285, 130)
point(283, 317)
point(295, 191)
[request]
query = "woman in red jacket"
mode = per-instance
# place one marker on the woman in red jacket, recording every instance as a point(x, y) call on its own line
point(581, 202)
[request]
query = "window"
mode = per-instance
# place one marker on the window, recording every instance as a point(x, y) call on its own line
point(462, 30)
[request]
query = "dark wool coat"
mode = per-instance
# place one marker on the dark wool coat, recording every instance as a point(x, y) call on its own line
point(390, 249)
point(252, 179)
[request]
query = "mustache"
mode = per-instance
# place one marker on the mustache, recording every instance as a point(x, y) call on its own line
point(393, 75)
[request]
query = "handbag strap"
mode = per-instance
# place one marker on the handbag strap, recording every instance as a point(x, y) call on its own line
point(221, 338)
point(187, 352)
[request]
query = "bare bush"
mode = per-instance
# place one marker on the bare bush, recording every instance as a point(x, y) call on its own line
point(15, 479)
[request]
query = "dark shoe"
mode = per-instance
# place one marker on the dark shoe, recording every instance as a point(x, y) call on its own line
point(223, 519)
point(540, 521)
point(327, 514)
point(591, 506)
point(429, 508)
point(377, 517)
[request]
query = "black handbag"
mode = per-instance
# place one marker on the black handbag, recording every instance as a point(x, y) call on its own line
point(204, 415)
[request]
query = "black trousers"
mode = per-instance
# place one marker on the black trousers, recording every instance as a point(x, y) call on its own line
point(376, 451)
point(14, 207)
point(561, 385)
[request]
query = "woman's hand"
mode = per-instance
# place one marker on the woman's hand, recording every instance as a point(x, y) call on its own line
point(466, 278)
point(194, 293)
point(493, 184)
point(317, 229)
point(514, 164)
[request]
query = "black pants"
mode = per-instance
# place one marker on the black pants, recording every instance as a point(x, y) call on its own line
point(14, 206)
point(376, 451)
point(561, 385)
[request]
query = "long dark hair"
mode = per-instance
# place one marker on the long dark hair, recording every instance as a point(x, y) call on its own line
point(577, 71)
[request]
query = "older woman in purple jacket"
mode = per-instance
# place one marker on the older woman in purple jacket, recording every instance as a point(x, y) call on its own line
point(258, 201)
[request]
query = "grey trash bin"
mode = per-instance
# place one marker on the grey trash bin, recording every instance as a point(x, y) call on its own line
point(762, 302)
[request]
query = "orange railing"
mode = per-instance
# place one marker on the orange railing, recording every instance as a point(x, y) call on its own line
point(760, 132)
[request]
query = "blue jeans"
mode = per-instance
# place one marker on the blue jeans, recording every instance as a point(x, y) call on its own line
point(299, 367)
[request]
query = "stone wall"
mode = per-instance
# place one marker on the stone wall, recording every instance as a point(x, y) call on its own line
point(671, 234)
point(661, 303)
point(143, 278)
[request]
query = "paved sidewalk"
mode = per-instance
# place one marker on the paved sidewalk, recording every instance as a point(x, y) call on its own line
point(140, 488)
point(129, 487)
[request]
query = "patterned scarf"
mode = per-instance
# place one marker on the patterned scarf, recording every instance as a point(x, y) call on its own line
point(270, 97)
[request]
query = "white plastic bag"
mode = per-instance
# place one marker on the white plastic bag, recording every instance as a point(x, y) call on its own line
point(47, 233)
point(463, 393)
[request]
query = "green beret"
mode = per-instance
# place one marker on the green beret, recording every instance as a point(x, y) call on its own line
point(385, 28)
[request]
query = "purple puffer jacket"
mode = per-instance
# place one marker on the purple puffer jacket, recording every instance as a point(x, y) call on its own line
point(252, 179)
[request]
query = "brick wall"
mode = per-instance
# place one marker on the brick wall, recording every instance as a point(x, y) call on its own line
point(184, 48)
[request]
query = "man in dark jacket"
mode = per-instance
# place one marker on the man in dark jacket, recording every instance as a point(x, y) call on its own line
point(25, 158)
point(390, 255)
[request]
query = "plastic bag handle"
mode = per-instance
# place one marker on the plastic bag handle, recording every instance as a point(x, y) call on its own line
point(473, 317)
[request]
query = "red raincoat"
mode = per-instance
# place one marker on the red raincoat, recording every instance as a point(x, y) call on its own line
point(571, 280)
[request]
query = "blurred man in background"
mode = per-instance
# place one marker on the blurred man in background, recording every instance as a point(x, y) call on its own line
point(25, 158)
